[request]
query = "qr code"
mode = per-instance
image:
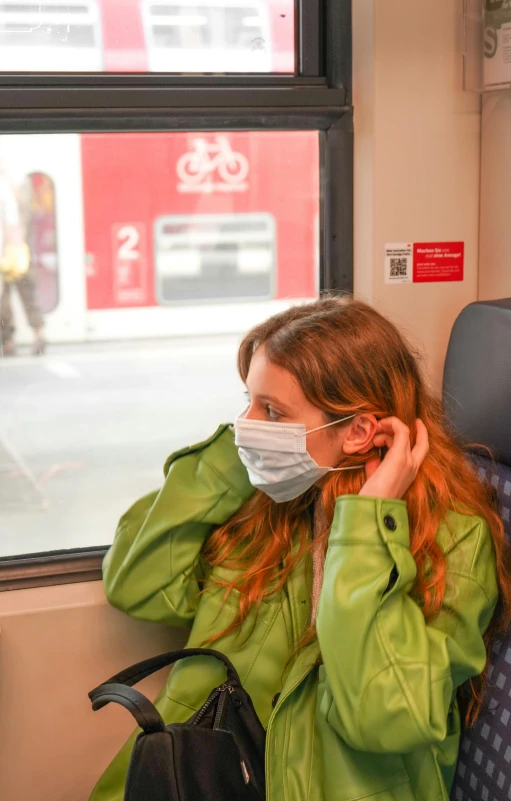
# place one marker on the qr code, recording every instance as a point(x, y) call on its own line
point(398, 268)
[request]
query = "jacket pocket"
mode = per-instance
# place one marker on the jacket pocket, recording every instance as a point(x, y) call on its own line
point(357, 774)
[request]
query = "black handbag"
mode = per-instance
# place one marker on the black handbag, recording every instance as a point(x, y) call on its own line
point(217, 755)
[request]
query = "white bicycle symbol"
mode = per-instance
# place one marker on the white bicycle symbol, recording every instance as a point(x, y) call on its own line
point(194, 167)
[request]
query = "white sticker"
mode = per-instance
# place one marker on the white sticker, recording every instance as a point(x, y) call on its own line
point(399, 263)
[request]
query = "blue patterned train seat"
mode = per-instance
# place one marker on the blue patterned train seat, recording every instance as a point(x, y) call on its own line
point(477, 399)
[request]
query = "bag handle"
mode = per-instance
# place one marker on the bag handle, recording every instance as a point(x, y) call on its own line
point(130, 676)
point(144, 712)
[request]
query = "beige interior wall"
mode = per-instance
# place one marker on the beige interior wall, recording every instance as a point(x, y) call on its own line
point(495, 245)
point(56, 644)
point(417, 158)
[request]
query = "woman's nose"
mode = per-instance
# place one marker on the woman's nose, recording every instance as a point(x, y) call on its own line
point(253, 412)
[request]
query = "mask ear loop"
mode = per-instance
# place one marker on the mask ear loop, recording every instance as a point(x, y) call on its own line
point(353, 467)
point(335, 422)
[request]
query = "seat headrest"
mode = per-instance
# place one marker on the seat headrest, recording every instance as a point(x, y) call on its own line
point(477, 377)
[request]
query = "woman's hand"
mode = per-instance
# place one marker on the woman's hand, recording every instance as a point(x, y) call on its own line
point(393, 475)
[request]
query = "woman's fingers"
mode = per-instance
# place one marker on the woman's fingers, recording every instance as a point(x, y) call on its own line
point(421, 447)
point(392, 433)
point(393, 475)
point(396, 428)
point(383, 441)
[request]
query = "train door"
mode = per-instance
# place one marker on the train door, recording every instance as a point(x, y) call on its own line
point(39, 199)
point(44, 172)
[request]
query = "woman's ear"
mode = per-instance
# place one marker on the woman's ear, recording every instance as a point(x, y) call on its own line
point(361, 433)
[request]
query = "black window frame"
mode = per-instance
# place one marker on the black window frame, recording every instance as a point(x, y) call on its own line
point(318, 97)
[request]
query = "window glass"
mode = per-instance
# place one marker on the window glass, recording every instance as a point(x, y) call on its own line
point(178, 36)
point(166, 252)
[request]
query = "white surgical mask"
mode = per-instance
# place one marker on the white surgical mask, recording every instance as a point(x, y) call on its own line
point(276, 457)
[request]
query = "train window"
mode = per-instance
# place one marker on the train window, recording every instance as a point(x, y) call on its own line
point(172, 172)
point(181, 36)
point(168, 246)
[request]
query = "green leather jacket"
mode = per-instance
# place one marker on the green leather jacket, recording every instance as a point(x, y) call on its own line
point(379, 716)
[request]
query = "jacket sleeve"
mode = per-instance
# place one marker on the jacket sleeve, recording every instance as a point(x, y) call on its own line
point(152, 570)
point(391, 677)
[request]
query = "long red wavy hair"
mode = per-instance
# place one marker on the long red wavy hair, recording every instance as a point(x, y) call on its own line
point(348, 358)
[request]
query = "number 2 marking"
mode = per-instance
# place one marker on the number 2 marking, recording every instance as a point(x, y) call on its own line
point(128, 249)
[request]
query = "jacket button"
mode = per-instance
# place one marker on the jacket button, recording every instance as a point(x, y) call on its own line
point(390, 523)
point(275, 700)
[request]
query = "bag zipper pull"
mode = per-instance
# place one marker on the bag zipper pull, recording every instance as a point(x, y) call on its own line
point(235, 699)
point(246, 775)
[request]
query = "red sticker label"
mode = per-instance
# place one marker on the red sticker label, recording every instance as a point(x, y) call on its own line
point(438, 261)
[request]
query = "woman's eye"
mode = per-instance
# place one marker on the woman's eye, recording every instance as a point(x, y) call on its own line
point(272, 414)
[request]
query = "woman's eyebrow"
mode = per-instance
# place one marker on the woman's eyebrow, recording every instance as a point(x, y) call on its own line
point(268, 399)
point(275, 401)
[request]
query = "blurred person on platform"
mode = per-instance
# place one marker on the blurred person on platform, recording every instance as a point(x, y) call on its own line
point(16, 270)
